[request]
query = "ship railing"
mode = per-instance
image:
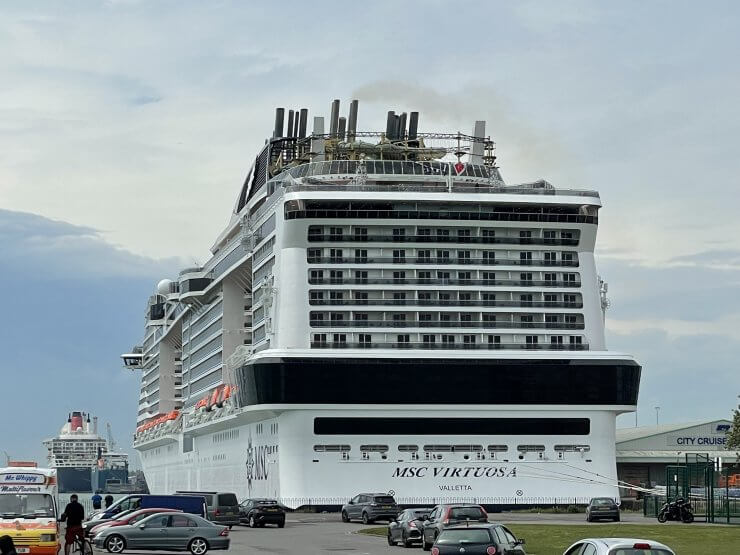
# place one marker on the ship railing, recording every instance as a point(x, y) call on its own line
point(415, 238)
point(444, 281)
point(453, 346)
point(440, 260)
point(437, 303)
point(468, 215)
point(444, 324)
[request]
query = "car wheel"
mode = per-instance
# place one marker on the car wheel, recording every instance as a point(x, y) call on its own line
point(390, 539)
point(345, 516)
point(281, 524)
point(589, 519)
point(231, 526)
point(115, 544)
point(616, 518)
point(424, 545)
point(366, 519)
point(198, 546)
point(252, 522)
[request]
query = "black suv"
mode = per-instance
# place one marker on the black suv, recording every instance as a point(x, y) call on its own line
point(258, 512)
point(370, 507)
point(449, 515)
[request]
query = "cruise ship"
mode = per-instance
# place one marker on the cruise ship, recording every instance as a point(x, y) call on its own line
point(384, 313)
point(85, 461)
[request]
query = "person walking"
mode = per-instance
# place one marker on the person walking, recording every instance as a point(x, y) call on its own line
point(108, 500)
point(97, 501)
point(73, 515)
point(7, 547)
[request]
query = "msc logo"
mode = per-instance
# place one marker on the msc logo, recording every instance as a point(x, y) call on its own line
point(723, 427)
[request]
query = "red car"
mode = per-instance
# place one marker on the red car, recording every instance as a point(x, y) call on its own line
point(131, 518)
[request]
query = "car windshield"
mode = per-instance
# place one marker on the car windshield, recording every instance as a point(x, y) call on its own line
point(26, 505)
point(632, 551)
point(386, 499)
point(601, 501)
point(468, 535)
point(228, 499)
point(418, 514)
point(462, 513)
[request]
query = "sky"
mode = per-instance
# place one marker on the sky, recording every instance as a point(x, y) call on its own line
point(126, 130)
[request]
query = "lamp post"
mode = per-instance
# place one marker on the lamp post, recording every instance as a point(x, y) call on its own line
point(657, 419)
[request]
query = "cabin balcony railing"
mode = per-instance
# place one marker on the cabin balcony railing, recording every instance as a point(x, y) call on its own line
point(501, 240)
point(533, 217)
point(443, 281)
point(438, 303)
point(454, 346)
point(444, 324)
point(440, 260)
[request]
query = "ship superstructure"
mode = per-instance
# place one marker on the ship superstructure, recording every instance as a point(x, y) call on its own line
point(384, 313)
point(82, 458)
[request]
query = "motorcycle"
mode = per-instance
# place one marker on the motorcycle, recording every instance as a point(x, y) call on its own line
point(679, 510)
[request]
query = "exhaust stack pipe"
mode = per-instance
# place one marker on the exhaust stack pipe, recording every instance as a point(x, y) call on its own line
point(402, 126)
point(304, 123)
point(290, 123)
point(341, 128)
point(390, 125)
point(279, 116)
point(334, 121)
point(413, 125)
point(352, 124)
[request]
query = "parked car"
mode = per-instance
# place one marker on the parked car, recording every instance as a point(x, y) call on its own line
point(131, 517)
point(172, 532)
point(194, 504)
point(602, 507)
point(618, 546)
point(88, 525)
point(477, 539)
point(258, 512)
point(223, 507)
point(449, 515)
point(407, 527)
point(370, 507)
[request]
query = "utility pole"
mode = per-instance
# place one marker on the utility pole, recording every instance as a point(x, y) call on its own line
point(657, 419)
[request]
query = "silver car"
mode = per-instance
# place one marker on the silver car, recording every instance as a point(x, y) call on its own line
point(171, 532)
point(618, 546)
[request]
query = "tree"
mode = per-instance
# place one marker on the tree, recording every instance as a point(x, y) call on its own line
point(733, 434)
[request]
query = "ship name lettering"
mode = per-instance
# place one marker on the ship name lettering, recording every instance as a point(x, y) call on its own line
point(455, 472)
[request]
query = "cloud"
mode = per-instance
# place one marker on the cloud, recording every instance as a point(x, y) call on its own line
point(30, 243)
point(73, 303)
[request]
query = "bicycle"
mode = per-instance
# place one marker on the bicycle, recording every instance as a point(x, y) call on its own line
point(83, 547)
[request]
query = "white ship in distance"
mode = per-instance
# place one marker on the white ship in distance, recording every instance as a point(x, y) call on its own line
point(384, 313)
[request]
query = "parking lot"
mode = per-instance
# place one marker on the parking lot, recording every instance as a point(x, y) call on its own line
point(319, 534)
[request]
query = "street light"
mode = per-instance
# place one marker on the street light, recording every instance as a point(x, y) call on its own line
point(657, 419)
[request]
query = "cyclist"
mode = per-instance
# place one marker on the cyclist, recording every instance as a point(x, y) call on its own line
point(74, 514)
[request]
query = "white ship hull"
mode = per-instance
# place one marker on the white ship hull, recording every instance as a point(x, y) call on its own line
point(275, 457)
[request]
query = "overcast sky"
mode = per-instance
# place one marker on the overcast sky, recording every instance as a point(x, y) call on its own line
point(126, 129)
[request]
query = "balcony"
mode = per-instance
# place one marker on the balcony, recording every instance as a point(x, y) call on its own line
point(443, 260)
point(443, 281)
point(438, 303)
point(474, 240)
point(444, 324)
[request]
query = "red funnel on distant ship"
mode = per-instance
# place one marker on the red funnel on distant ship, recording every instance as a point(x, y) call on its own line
point(76, 421)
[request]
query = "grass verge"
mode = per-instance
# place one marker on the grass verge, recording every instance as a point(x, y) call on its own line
point(553, 539)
